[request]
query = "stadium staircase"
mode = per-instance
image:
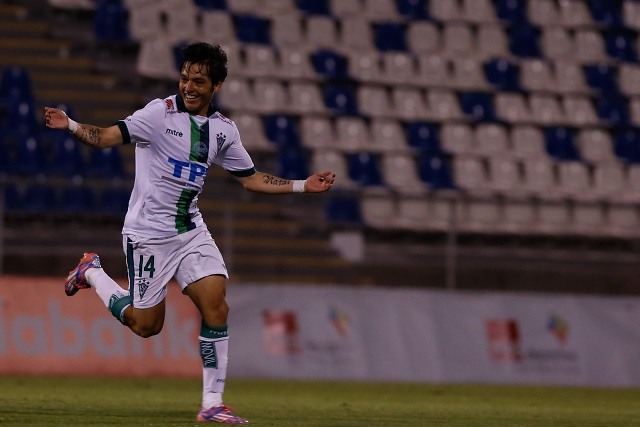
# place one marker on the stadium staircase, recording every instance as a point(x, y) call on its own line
point(261, 243)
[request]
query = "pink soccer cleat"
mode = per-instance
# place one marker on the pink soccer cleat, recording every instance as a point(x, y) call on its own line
point(75, 279)
point(219, 414)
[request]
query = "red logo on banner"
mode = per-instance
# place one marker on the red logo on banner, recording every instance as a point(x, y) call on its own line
point(503, 336)
point(280, 332)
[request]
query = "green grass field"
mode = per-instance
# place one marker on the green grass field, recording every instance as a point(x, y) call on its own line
point(171, 402)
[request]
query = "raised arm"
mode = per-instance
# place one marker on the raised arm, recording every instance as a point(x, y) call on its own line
point(261, 182)
point(90, 135)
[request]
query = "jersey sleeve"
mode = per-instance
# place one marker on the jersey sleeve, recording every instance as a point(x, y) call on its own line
point(140, 127)
point(234, 158)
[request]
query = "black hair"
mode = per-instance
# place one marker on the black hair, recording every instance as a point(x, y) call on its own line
point(213, 57)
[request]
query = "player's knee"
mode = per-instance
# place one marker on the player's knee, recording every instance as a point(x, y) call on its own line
point(146, 329)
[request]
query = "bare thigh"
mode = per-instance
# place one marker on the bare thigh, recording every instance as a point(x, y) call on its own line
point(145, 322)
point(208, 295)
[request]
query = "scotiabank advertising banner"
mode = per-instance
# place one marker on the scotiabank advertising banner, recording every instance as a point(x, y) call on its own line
point(335, 332)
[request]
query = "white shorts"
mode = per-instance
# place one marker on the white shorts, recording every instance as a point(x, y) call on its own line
point(152, 263)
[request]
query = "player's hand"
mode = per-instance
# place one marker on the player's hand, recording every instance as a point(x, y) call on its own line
point(55, 118)
point(319, 182)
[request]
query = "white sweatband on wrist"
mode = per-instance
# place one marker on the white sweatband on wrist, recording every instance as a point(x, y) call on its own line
point(73, 125)
point(298, 185)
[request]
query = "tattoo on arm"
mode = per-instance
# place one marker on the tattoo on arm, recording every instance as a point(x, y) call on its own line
point(273, 180)
point(90, 135)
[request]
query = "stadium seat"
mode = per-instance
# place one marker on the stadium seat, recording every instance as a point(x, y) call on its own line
point(502, 74)
point(596, 146)
point(287, 31)
point(321, 32)
point(12, 200)
point(374, 101)
point(344, 210)
point(524, 40)
point(68, 159)
point(379, 211)
point(413, 10)
point(251, 129)
point(294, 65)
point(457, 138)
point(389, 37)
point(468, 75)
point(560, 143)
point(579, 111)
point(543, 13)
point(314, 7)
point(492, 140)
point(211, 4)
point(477, 106)
point(627, 145)
point(546, 110)
point(536, 75)
point(445, 10)
point(345, 8)
point(424, 136)
point(40, 199)
point(602, 77)
point(479, 11)
point(155, 59)
point(398, 68)
point(340, 99)
point(387, 135)
point(539, 177)
point(356, 35)
point(21, 120)
point(570, 77)
point(292, 163)
point(409, 104)
point(252, 29)
point(443, 104)
point(306, 98)
point(470, 173)
point(364, 168)
point(352, 134)
point(106, 163)
point(380, 10)
point(270, 96)
point(609, 181)
point(237, 95)
point(365, 67)
point(6, 162)
point(458, 39)
point(574, 179)
point(607, 12)
point(433, 70)
point(401, 174)
point(282, 130)
point(113, 201)
point(434, 169)
point(30, 157)
point(15, 85)
point(423, 37)
point(629, 79)
point(111, 21)
point(528, 142)
point(613, 110)
point(260, 61)
point(512, 107)
point(621, 45)
point(590, 46)
point(575, 14)
point(317, 132)
point(513, 12)
point(329, 159)
point(557, 43)
point(181, 20)
point(77, 199)
point(504, 175)
point(329, 64)
point(492, 41)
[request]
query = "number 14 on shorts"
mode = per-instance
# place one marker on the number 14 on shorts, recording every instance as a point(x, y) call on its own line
point(146, 265)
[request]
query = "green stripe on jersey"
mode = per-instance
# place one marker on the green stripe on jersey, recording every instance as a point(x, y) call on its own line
point(199, 142)
point(183, 219)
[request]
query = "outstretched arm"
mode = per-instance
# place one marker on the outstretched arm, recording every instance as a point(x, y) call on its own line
point(93, 136)
point(261, 182)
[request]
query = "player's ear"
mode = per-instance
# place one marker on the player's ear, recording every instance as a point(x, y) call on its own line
point(217, 87)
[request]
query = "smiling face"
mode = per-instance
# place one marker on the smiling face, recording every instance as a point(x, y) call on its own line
point(196, 88)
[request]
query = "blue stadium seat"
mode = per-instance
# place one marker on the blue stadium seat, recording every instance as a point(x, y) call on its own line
point(502, 74)
point(15, 85)
point(40, 199)
point(111, 21)
point(477, 105)
point(424, 136)
point(413, 9)
point(602, 77)
point(329, 64)
point(30, 159)
point(67, 159)
point(344, 210)
point(340, 99)
point(607, 12)
point(314, 7)
point(524, 40)
point(12, 198)
point(77, 200)
point(211, 4)
point(612, 109)
point(389, 37)
point(627, 145)
point(560, 144)
point(113, 201)
point(5, 161)
point(292, 163)
point(252, 29)
point(435, 171)
point(282, 130)
point(106, 164)
point(621, 45)
point(512, 11)
point(364, 169)
point(21, 120)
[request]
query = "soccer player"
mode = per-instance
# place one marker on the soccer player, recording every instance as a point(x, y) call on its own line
point(177, 139)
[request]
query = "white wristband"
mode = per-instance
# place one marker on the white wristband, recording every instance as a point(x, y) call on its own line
point(73, 125)
point(298, 185)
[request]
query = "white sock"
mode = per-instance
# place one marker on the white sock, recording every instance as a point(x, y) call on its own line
point(213, 378)
point(104, 285)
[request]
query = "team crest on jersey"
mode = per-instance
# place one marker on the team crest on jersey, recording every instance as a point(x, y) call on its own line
point(203, 149)
point(169, 103)
point(143, 285)
point(220, 139)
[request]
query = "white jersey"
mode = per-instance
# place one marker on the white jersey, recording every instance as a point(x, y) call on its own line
point(174, 150)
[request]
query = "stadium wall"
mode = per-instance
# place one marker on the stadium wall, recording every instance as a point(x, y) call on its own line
point(335, 332)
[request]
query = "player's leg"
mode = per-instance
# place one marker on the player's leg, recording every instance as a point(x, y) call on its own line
point(208, 294)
